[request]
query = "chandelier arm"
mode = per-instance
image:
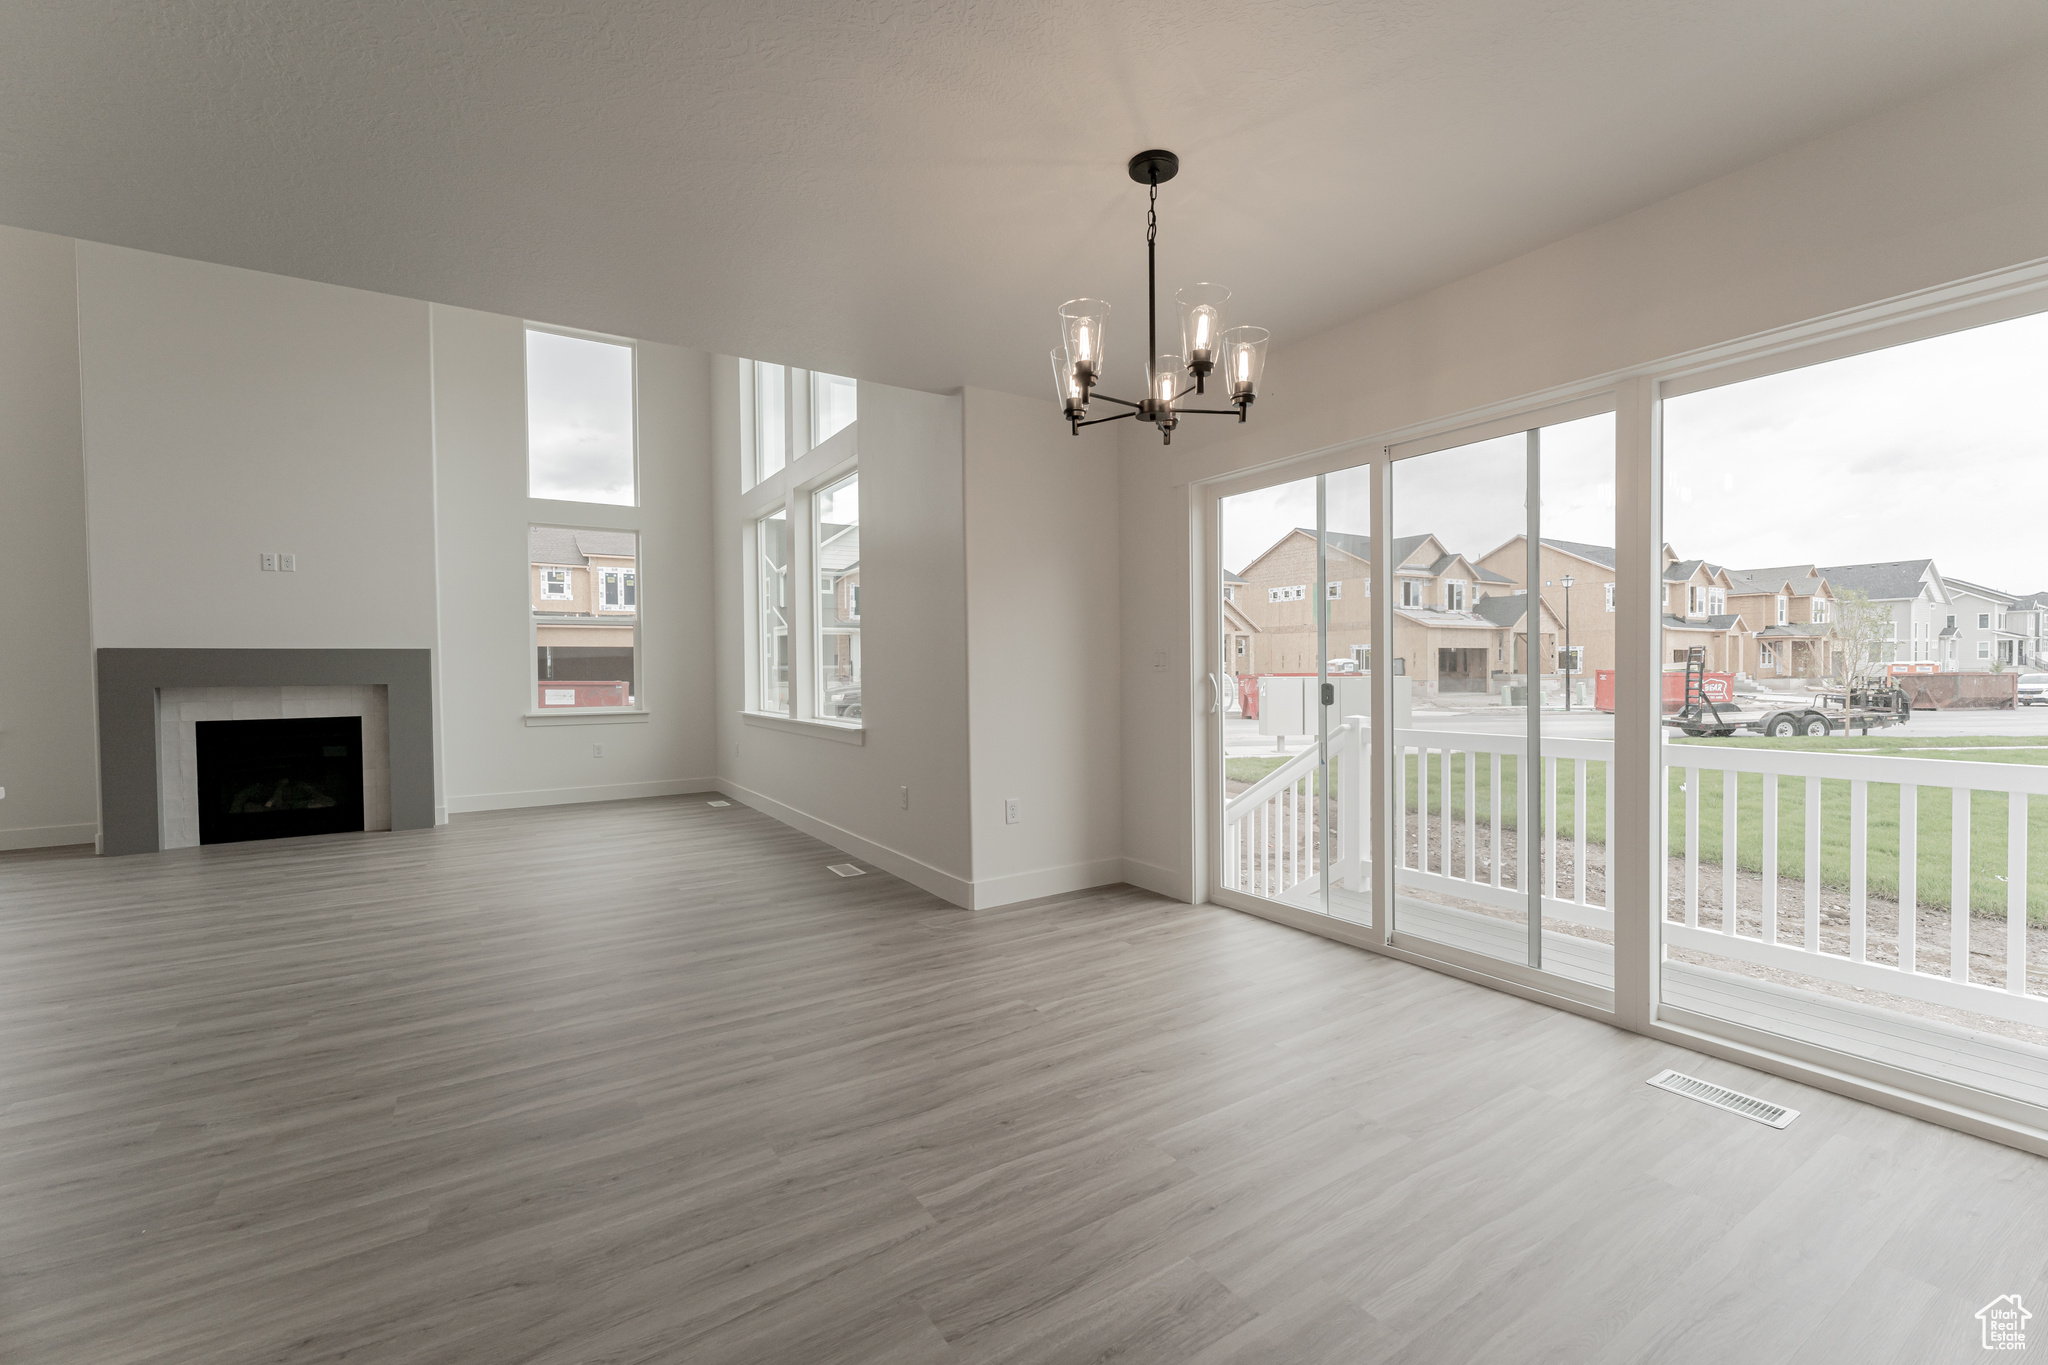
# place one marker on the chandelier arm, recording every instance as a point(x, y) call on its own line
point(1107, 399)
point(1096, 421)
point(1207, 412)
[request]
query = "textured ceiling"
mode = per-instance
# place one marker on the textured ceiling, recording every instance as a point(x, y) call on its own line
point(906, 191)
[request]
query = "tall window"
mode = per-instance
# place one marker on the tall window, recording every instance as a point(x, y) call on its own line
point(579, 419)
point(586, 617)
point(835, 523)
point(1454, 594)
point(1411, 592)
point(772, 533)
point(771, 419)
point(832, 406)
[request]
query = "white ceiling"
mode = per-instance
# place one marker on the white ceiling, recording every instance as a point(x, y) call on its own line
point(906, 191)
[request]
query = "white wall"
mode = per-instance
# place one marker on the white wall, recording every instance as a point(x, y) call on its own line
point(913, 652)
point(228, 412)
point(1042, 647)
point(1937, 190)
point(492, 757)
point(46, 708)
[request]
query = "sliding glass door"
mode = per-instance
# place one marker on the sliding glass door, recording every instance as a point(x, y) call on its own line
point(1290, 693)
point(1503, 656)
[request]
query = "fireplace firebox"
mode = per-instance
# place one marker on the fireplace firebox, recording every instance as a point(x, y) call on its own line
point(277, 779)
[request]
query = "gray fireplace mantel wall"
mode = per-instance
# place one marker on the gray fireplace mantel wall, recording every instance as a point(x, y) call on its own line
point(128, 680)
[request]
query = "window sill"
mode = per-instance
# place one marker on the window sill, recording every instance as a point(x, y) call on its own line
point(588, 715)
point(836, 730)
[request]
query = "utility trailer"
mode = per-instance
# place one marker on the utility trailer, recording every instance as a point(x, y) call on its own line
point(1828, 712)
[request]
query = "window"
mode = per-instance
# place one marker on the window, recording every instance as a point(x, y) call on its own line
point(1411, 592)
point(585, 617)
point(1454, 594)
point(1717, 602)
point(1983, 649)
point(832, 406)
point(1695, 599)
point(1336, 590)
point(1983, 620)
point(1766, 653)
point(1820, 612)
point(1229, 593)
point(579, 419)
point(1781, 609)
point(771, 419)
point(1297, 593)
point(1610, 595)
point(771, 535)
point(1951, 623)
point(835, 522)
point(615, 588)
point(1571, 660)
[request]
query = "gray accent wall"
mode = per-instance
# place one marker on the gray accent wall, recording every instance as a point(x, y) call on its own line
point(127, 683)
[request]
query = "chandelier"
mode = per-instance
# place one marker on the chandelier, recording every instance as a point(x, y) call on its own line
point(1241, 351)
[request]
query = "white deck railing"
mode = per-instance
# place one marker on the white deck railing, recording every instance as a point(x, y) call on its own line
point(1269, 833)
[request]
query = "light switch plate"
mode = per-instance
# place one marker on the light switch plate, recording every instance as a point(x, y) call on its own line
point(269, 562)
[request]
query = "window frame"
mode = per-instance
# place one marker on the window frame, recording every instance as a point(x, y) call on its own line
point(788, 490)
point(636, 708)
point(820, 696)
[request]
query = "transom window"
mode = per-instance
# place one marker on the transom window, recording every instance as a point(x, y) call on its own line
point(579, 419)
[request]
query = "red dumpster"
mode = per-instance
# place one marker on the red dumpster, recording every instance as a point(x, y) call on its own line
point(1719, 687)
point(556, 695)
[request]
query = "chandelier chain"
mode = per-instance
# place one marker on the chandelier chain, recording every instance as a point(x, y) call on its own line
point(1152, 218)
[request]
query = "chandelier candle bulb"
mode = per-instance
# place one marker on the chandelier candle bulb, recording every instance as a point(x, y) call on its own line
point(1072, 399)
point(1245, 348)
point(1201, 328)
point(1081, 323)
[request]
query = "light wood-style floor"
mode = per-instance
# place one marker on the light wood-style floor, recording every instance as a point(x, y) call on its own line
point(645, 1082)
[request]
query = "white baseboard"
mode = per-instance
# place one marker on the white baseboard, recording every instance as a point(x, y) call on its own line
point(569, 796)
point(48, 836)
point(1162, 880)
point(990, 892)
point(917, 872)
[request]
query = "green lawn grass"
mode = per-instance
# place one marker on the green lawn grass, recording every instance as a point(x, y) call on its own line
point(1932, 866)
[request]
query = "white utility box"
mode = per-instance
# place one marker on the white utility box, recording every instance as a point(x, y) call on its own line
point(1287, 705)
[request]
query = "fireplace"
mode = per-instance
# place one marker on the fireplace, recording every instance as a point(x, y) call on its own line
point(276, 779)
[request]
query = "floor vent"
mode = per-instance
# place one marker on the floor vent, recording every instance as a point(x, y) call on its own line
point(1734, 1101)
point(846, 869)
point(718, 803)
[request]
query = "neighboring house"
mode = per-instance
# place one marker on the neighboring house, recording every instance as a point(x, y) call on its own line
point(2027, 617)
point(1788, 618)
point(1589, 623)
point(584, 590)
point(1923, 623)
point(1238, 628)
point(1442, 638)
point(1984, 641)
point(839, 610)
point(1696, 612)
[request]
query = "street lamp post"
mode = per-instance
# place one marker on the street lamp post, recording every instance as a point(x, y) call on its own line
point(1569, 670)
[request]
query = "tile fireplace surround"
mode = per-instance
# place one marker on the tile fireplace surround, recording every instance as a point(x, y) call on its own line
point(149, 700)
point(180, 709)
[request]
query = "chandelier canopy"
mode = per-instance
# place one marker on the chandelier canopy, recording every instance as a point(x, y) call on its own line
point(1205, 344)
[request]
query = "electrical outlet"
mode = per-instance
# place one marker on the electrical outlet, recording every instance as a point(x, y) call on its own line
point(904, 795)
point(269, 562)
point(597, 751)
point(287, 563)
point(1013, 811)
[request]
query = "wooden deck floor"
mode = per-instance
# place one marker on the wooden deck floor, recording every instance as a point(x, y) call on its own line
point(645, 1082)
